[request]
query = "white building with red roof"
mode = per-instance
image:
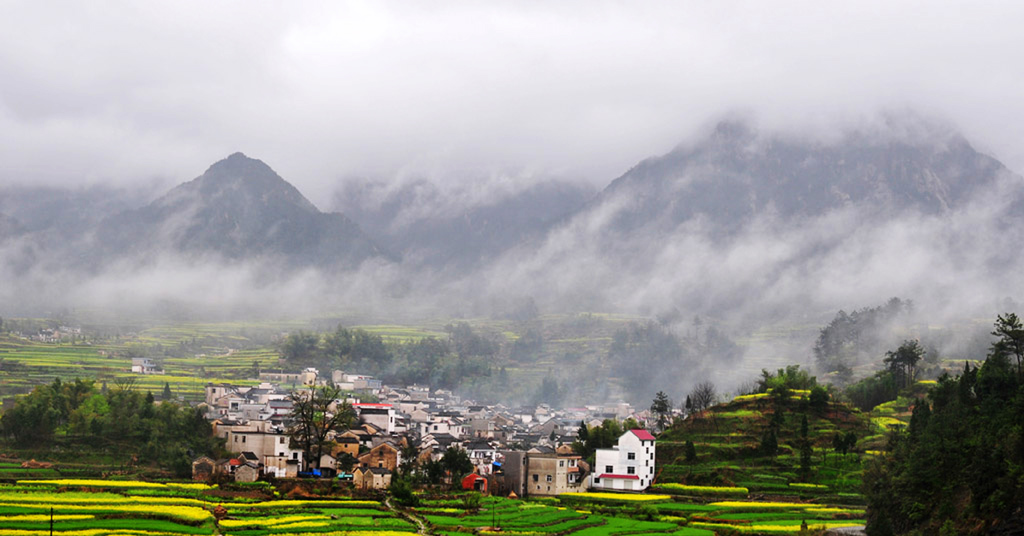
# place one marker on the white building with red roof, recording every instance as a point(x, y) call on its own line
point(628, 466)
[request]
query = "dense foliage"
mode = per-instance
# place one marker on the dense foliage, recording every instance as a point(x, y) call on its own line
point(854, 337)
point(960, 462)
point(651, 357)
point(440, 363)
point(121, 421)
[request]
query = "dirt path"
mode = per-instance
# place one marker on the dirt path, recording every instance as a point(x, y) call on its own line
point(423, 527)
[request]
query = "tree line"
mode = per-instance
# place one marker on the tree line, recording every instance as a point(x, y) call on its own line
point(439, 363)
point(84, 418)
point(959, 465)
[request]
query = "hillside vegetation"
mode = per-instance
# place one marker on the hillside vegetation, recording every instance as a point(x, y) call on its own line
point(773, 444)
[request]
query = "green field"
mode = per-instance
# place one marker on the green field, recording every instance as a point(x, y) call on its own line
point(193, 353)
point(610, 514)
point(91, 508)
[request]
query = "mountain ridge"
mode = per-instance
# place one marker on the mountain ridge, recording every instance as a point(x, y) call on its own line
point(239, 209)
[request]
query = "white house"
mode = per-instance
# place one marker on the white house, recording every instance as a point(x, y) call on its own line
point(628, 466)
point(381, 416)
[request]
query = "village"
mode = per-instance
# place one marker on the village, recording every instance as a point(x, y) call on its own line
point(514, 451)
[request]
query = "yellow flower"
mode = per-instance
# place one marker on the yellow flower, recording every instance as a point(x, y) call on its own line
point(617, 496)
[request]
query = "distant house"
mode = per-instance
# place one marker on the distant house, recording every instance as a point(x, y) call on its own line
point(384, 456)
point(554, 474)
point(381, 416)
point(627, 466)
point(204, 468)
point(475, 482)
point(247, 472)
point(346, 444)
point(371, 478)
point(145, 365)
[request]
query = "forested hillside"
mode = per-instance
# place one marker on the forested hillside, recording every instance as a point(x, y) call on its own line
point(959, 466)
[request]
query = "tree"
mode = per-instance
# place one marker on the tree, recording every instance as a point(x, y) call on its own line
point(456, 463)
point(401, 490)
point(167, 392)
point(903, 361)
point(769, 443)
point(662, 408)
point(703, 396)
point(690, 451)
point(805, 448)
point(301, 349)
point(1011, 338)
point(316, 414)
point(819, 398)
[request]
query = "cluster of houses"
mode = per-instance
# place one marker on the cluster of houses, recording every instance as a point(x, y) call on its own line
point(514, 450)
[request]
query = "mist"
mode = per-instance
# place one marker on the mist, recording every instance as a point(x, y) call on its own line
point(455, 110)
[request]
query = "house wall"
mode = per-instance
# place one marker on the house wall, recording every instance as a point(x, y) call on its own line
point(549, 474)
point(632, 457)
point(382, 455)
point(263, 445)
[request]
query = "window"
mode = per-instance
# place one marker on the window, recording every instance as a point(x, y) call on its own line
point(281, 440)
point(536, 478)
point(597, 480)
point(631, 470)
point(549, 479)
point(609, 469)
point(631, 456)
point(243, 439)
point(561, 463)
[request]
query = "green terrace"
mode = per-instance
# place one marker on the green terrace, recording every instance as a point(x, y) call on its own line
point(97, 508)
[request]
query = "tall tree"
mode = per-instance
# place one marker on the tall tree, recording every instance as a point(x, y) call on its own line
point(903, 361)
point(316, 413)
point(1010, 332)
point(661, 407)
point(703, 396)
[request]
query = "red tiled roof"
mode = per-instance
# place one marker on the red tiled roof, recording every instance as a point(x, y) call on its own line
point(627, 477)
point(644, 435)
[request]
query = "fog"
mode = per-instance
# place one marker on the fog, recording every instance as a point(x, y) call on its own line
point(129, 93)
point(481, 102)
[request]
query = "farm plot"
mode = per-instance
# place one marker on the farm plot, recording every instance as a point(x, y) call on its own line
point(747, 517)
point(100, 508)
point(534, 518)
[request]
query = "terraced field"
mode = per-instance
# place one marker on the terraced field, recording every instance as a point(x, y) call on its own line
point(100, 508)
point(614, 514)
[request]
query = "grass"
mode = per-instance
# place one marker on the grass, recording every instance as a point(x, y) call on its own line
point(185, 510)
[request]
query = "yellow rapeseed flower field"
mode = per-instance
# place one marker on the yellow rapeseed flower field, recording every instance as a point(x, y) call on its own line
point(618, 496)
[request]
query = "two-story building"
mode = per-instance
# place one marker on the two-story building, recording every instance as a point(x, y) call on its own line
point(554, 473)
point(627, 466)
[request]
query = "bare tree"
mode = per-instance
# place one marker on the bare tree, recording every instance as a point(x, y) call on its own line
point(315, 415)
point(703, 396)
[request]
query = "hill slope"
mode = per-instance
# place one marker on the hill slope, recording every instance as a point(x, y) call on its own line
point(239, 209)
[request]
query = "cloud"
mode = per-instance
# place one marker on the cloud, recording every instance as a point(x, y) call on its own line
point(323, 92)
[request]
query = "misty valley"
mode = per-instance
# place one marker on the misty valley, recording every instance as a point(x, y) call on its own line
point(756, 332)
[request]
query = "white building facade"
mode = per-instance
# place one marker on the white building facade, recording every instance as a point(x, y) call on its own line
point(628, 466)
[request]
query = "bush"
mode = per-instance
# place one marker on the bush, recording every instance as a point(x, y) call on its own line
point(401, 490)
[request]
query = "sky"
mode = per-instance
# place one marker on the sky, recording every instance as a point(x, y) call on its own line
point(145, 93)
